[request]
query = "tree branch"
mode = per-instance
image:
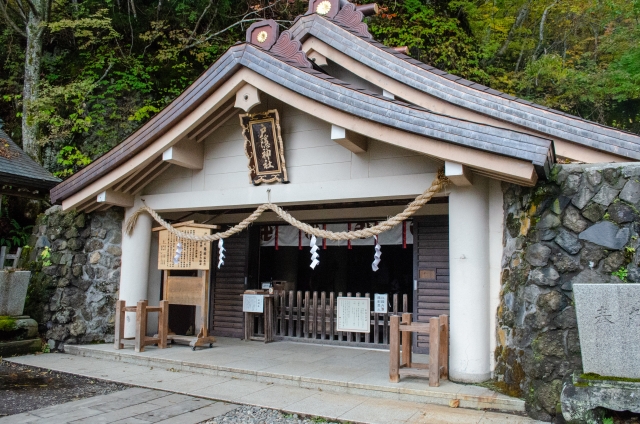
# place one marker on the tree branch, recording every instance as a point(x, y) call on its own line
point(33, 8)
point(195, 28)
point(16, 28)
point(543, 20)
point(218, 33)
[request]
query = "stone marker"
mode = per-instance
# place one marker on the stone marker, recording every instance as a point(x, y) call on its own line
point(606, 234)
point(609, 328)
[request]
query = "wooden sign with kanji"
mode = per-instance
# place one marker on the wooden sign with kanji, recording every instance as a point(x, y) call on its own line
point(195, 254)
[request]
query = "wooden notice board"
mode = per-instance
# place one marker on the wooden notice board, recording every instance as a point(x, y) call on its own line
point(195, 254)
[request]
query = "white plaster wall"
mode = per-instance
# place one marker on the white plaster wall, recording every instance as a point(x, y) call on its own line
point(496, 228)
point(312, 158)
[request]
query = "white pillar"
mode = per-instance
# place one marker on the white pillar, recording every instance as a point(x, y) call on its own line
point(469, 282)
point(496, 228)
point(134, 275)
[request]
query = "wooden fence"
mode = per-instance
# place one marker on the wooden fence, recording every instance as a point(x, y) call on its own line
point(312, 317)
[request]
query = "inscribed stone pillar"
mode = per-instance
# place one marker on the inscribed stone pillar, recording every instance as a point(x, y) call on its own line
point(136, 249)
point(469, 255)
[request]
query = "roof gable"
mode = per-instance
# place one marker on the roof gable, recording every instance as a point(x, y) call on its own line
point(458, 91)
point(288, 67)
point(18, 170)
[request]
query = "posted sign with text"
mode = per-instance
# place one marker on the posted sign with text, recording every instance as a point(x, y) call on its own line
point(354, 314)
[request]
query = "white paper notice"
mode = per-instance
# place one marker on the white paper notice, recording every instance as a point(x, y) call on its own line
point(380, 303)
point(253, 303)
point(354, 314)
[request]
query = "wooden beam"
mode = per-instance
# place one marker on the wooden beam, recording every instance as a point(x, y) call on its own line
point(117, 198)
point(348, 139)
point(125, 182)
point(144, 182)
point(141, 176)
point(188, 155)
point(93, 207)
point(247, 97)
point(203, 130)
point(220, 122)
point(458, 174)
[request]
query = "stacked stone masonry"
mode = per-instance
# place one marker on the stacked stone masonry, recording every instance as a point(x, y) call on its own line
point(83, 276)
point(581, 226)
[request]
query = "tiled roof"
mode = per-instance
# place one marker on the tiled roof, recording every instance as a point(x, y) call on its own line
point(20, 170)
point(464, 93)
point(324, 89)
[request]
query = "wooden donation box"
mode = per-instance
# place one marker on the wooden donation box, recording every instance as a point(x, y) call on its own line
point(181, 290)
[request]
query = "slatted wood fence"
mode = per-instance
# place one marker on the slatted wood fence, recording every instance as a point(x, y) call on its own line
point(312, 317)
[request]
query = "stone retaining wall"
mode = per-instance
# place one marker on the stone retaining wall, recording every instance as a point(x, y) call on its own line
point(81, 283)
point(580, 227)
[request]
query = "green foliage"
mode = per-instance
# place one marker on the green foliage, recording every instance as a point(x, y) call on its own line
point(107, 70)
point(621, 273)
point(45, 256)
point(18, 235)
point(71, 160)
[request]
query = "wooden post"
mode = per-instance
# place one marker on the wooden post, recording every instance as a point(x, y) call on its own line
point(444, 347)
point(141, 325)
point(395, 304)
point(291, 314)
point(306, 315)
point(283, 306)
point(385, 328)
point(119, 324)
point(376, 328)
point(406, 341)
point(323, 315)
point(299, 311)
point(434, 351)
point(332, 328)
point(314, 323)
point(163, 324)
point(405, 303)
point(248, 326)
point(394, 349)
point(204, 309)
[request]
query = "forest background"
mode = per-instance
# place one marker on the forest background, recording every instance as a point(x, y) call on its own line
point(78, 76)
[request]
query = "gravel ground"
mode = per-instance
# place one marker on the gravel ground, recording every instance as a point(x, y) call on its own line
point(256, 415)
point(24, 388)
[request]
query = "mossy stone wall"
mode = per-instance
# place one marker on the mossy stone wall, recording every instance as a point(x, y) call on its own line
point(73, 291)
point(581, 226)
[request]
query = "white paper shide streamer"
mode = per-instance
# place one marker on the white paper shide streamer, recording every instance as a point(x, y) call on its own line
point(221, 251)
point(314, 252)
point(176, 258)
point(376, 256)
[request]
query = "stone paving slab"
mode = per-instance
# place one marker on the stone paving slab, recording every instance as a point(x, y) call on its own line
point(336, 369)
point(216, 395)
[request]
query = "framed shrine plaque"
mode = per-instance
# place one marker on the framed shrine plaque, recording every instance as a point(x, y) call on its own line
point(195, 254)
point(263, 147)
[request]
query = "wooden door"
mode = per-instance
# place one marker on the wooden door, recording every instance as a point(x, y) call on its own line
point(229, 283)
point(431, 272)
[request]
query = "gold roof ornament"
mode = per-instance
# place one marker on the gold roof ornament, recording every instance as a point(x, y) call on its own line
point(262, 36)
point(323, 7)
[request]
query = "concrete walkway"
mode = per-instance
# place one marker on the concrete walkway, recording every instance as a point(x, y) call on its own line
point(134, 405)
point(334, 369)
point(291, 399)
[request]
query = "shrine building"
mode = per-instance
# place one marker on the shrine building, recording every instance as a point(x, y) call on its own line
point(341, 132)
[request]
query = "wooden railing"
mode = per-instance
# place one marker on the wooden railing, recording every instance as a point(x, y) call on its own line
point(401, 334)
point(312, 316)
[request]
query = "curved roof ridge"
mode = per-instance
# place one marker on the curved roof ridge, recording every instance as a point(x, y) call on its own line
point(456, 90)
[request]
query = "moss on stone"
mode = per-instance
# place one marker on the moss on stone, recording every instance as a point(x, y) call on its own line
point(598, 377)
point(7, 323)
